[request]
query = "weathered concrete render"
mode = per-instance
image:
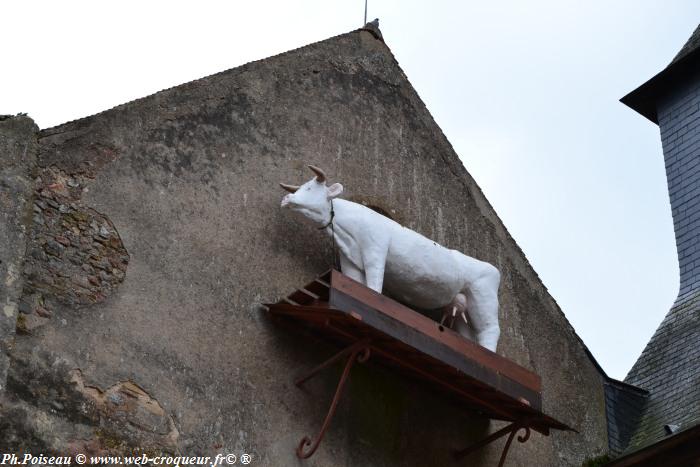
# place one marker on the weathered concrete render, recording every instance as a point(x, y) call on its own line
point(157, 237)
point(18, 146)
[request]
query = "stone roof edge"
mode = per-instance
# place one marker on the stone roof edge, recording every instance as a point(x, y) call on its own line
point(369, 27)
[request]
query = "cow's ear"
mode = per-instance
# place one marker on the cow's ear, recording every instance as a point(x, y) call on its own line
point(334, 190)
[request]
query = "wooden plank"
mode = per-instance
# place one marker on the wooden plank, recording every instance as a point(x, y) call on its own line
point(431, 328)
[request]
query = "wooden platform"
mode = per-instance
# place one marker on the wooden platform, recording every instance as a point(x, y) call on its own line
point(346, 312)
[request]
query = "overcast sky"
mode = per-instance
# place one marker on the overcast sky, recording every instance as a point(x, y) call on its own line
point(526, 91)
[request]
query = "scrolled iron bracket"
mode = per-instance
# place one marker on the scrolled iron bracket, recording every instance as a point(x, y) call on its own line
point(510, 430)
point(360, 352)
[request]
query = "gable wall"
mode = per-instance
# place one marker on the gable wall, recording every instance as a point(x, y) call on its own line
point(170, 208)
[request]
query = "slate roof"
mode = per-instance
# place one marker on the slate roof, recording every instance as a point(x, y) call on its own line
point(690, 46)
point(669, 368)
point(623, 405)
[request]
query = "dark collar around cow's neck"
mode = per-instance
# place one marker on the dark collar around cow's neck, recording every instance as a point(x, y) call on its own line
point(330, 222)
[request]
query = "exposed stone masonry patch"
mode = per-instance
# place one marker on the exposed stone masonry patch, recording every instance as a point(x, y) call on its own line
point(74, 255)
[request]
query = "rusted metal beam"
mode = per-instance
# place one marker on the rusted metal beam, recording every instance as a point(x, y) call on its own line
point(415, 331)
point(404, 315)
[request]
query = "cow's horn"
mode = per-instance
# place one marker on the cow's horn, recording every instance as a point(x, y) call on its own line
point(320, 174)
point(289, 188)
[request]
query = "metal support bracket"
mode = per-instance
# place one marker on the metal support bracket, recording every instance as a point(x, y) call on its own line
point(509, 430)
point(357, 318)
point(359, 351)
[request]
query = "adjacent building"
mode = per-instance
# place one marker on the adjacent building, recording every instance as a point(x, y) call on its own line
point(662, 411)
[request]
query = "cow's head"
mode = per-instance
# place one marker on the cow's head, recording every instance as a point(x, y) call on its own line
point(312, 199)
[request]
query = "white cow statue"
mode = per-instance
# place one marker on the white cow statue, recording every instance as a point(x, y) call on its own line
point(382, 254)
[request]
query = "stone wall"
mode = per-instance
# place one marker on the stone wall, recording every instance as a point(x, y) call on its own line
point(157, 236)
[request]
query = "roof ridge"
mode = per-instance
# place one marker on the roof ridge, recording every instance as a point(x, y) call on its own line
point(369, 27)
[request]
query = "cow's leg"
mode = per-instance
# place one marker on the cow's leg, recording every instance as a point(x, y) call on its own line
point(482, 306)
point(374, 273)
point(375, 260)
point(351, 270)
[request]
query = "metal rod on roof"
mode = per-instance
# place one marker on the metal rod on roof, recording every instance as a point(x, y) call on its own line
point(365, 13)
